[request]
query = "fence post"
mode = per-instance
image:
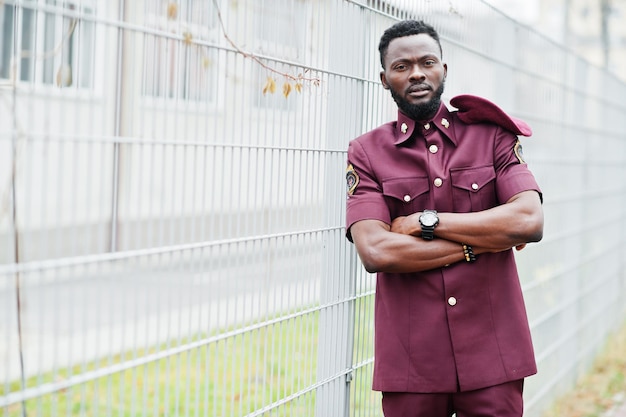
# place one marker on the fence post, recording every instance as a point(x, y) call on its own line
point(338, 281)
point(336, 322)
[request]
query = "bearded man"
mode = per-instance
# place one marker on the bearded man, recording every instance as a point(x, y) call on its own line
point(436, 202)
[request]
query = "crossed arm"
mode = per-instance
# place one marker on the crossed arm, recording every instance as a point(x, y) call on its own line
point(399, 247)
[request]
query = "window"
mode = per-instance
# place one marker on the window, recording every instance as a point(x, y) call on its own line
point(6, 40)
point(54, 45)
point(174, 68)
point(280, 28)
point(280, 33)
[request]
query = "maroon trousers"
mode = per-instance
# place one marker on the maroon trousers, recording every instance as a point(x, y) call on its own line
point(499, 401)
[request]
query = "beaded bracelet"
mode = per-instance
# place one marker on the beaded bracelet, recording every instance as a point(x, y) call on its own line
point(469, 253)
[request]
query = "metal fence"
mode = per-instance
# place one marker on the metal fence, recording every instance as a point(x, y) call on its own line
point(172, 200)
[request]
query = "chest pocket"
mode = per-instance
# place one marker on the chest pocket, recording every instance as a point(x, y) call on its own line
point(473, 189)
point(406, 196)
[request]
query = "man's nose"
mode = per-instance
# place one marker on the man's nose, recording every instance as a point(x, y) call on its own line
point(416, 73)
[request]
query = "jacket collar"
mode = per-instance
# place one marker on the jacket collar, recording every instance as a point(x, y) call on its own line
point(405, 126)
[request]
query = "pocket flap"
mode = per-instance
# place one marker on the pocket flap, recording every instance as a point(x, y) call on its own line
point(472, 179)
point(405, 189)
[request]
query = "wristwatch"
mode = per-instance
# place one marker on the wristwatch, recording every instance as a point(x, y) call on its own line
point(428, 220)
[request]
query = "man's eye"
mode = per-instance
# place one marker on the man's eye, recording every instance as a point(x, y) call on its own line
point(400, 67)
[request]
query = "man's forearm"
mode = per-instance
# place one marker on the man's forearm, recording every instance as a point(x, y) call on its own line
point(486, 231)
point(518, 221)
point(381, 250)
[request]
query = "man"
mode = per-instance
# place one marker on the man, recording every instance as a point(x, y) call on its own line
point(436, 202)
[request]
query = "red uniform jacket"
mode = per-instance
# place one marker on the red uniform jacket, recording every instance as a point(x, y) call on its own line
point(463, 326)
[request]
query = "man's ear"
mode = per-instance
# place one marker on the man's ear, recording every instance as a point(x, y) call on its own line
point(383, 80)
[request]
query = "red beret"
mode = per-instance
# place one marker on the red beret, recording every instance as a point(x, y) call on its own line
point(474, 109)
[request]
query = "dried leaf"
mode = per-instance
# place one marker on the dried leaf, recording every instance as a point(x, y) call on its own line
point(299, 87)
point(187, 38)
point(64, 76)
point(286, 89)
point(270, 86)
point(172, 11)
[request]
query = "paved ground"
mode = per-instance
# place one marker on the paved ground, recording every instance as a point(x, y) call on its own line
point(618, 411)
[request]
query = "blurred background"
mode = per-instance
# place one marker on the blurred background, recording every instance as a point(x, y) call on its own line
point(593, 29)
point(172, 192)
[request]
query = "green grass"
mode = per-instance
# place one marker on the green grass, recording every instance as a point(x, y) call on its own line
point(231, 377)
point(234, 376)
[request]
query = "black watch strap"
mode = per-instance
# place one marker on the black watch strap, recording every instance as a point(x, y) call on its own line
point(428, 232)
point(428, 221)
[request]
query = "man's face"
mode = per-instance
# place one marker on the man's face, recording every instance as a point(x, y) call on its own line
point(415, 75)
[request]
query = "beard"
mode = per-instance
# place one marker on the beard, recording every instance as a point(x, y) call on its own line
point(422, 111)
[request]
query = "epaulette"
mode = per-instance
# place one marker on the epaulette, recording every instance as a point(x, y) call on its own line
point(474, 109)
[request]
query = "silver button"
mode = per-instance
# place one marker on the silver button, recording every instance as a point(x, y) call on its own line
point(452, 301)
point(438, 182)
point(407, 198)
point(427, 126)
point(474, 186)
point(433, 148)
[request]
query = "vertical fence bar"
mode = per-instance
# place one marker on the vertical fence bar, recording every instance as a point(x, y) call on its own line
point(120, 76)
point(14, 216)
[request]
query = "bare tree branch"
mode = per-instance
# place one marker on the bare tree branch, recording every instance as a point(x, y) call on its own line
point(299, 78)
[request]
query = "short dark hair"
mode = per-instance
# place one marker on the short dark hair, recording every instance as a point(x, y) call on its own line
point(405, 28)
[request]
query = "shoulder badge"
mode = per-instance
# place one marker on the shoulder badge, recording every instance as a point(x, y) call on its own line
point(352, 179)
point(517, 150)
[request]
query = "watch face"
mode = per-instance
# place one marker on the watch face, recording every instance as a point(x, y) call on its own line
point(428, 219)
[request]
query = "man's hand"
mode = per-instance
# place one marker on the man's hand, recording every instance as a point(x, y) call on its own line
point(407, 225)
point(400, 225)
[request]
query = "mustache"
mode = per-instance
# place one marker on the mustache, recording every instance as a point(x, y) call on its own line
point(418, 87)
point(419, 111)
